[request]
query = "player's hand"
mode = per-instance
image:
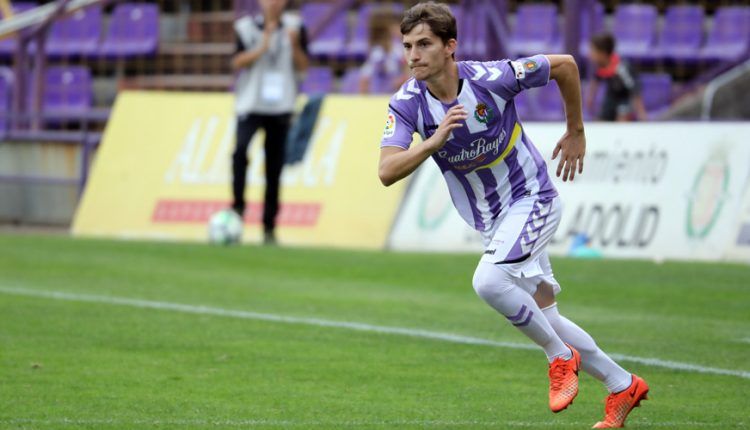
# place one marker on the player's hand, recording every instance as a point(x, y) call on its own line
point(571, 148)
point(454, 119)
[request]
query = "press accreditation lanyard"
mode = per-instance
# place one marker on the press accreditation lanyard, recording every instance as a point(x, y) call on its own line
point(272, 85)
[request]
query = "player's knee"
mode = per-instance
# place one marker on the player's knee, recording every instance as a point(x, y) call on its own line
point(544, 295)
point(490, 282)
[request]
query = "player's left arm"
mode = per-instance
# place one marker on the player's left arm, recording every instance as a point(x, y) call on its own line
point(572, 146)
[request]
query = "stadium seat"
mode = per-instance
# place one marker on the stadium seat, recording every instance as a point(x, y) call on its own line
point(77, 34)
point(635, 30)
point(475, 35)
point(6, 86)
point(359, 45)
point(549, 102)
point(656, 90)
point(331, 42)
point(729, 36)
point(133, 31)
point(8, 45)
point(540, 104)
point(682, 34)
point(592, 114)
point(463, 34)
point(350, 82)
point(523, 108)
point(536, 30)
point(67, 90)
point(590, 25)
point(319, 80)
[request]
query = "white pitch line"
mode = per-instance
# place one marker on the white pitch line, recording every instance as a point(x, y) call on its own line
point(403, 331)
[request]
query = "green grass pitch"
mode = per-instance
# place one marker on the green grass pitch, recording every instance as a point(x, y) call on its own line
point(78, 361)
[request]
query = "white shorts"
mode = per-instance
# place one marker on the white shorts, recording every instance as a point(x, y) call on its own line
point(518, 240)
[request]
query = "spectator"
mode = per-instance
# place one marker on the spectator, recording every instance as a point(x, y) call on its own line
point(271, 50)
point(385, 68)
point(622, 98)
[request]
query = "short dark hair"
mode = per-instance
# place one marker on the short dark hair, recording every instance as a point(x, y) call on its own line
point(604, 42)
point(437, 16)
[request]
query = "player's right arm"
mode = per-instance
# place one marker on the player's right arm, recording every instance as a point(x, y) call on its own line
point(397, 162)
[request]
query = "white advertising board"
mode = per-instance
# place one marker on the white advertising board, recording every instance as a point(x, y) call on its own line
point(656, 190)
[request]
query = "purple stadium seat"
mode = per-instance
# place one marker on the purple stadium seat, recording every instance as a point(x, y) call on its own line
point(77, 34)
point(133, 30)
point(359, 45)
point(331, 42)
point(67, 90)
point(381, 86)
point(540, 104)
point(6, 85)
point(350, 82)
point(635, 30)
point(536, 30)
point(463, 32)
point(591, 114)
point(319, 80)
point(549, 102)
point(683, 33)
point(8, 46)
point(472, 41)
point(656, 90)
point(523, 107)
point(589, 28)
point(729, 36)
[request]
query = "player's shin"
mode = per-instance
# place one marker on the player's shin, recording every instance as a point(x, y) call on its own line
point(594, 361)
point(496, 287)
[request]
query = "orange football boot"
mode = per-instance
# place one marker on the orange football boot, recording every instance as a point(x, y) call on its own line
point(620, 404)
point(563, 381)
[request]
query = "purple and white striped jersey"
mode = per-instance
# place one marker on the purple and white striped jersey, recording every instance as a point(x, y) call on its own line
point(489, 163)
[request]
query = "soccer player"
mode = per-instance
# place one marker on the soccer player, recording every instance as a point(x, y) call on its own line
point(465, 114)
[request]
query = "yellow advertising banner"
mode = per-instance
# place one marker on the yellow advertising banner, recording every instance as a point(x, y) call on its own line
point(164, 167)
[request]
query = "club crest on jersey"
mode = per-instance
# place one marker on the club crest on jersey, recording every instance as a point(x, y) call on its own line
point(483, 113)
point(390, 126)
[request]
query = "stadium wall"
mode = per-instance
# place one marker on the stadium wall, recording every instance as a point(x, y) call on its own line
point(38, 182)
point(655, 190)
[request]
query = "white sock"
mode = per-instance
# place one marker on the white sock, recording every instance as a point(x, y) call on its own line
point(593, 360)
point(496, 287)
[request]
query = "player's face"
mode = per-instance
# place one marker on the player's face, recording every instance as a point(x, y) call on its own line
point(425, 53)
point(273, 8)
point(599, 58)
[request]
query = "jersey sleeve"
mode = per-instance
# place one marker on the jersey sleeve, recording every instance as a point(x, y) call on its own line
point(518, 75)
point(400, 124)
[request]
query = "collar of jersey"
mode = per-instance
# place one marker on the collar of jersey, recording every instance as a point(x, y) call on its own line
point(460, 90)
